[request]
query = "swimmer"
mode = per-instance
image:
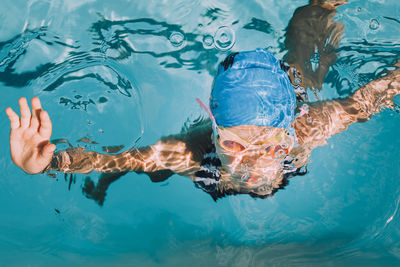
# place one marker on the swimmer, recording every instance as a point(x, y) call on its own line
point(260, 132)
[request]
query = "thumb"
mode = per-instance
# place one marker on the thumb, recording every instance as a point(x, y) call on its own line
point(48, 149)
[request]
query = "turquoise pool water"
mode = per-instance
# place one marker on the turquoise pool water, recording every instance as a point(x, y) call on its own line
point(128, 72)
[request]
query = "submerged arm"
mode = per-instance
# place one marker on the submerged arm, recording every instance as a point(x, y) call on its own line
point(167, 154)
point(327, 118)
point(311, 40)
point(32, 152)
point(179, 154)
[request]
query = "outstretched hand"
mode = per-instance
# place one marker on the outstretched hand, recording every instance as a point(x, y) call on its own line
point(29, 137)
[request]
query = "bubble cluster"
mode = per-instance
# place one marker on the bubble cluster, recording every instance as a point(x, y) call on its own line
point(223, 39)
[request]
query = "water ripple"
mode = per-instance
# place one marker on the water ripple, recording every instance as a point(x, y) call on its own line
point(149, 36)
point(361, 62)
point(57, 71)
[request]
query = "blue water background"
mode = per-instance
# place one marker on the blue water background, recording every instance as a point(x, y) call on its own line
point(344, 211)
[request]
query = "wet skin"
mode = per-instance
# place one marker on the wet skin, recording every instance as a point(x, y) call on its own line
point(182, 153)
point(254, 165)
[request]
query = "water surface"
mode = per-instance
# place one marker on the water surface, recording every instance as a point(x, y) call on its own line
point(125, 73)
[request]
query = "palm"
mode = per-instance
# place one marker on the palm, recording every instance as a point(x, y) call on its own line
point(29, 137)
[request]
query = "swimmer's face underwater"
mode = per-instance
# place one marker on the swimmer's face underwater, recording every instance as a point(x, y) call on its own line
point(252, 104)
point(252, 155)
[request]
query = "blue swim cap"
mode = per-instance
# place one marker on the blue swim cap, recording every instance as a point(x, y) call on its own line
point(252, 89)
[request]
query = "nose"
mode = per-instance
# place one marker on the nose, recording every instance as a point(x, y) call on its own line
point(253, 165)
point(246, 165)
point(259, 166)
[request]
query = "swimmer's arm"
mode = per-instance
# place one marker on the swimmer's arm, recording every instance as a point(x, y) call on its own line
point(167, 154)
point(312, 31)
point(331, 117)
point(180, 154)
point(32, 151)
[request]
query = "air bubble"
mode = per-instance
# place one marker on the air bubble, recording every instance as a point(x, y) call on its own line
point(224, 38)
point(176, 39)
point(208, 41)
point(374, 24)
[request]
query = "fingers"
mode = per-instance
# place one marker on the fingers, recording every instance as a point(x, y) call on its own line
point(331, 5)
point(45, 125)
point(48, 149)
point(36, 108)
point(339, 3)
point(34, 123)
point(13, 117)
point(336, 4)
point(39, 120)
point(25, 113)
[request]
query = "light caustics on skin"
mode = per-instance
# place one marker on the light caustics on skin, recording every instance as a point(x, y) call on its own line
point(323, 120)
point(252, 171)
point(254, 165)
point(163, 155)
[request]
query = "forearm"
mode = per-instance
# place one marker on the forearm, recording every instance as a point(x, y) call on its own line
point(76, 160)
point(327, 118)
point(168, 155)
point(376, 95)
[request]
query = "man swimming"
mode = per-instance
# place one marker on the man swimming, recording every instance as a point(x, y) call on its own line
point(258, 135)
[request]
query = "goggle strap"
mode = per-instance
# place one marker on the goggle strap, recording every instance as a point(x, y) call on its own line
point(214, 123)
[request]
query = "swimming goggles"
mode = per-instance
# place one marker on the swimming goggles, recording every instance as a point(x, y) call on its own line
point(277, 144)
